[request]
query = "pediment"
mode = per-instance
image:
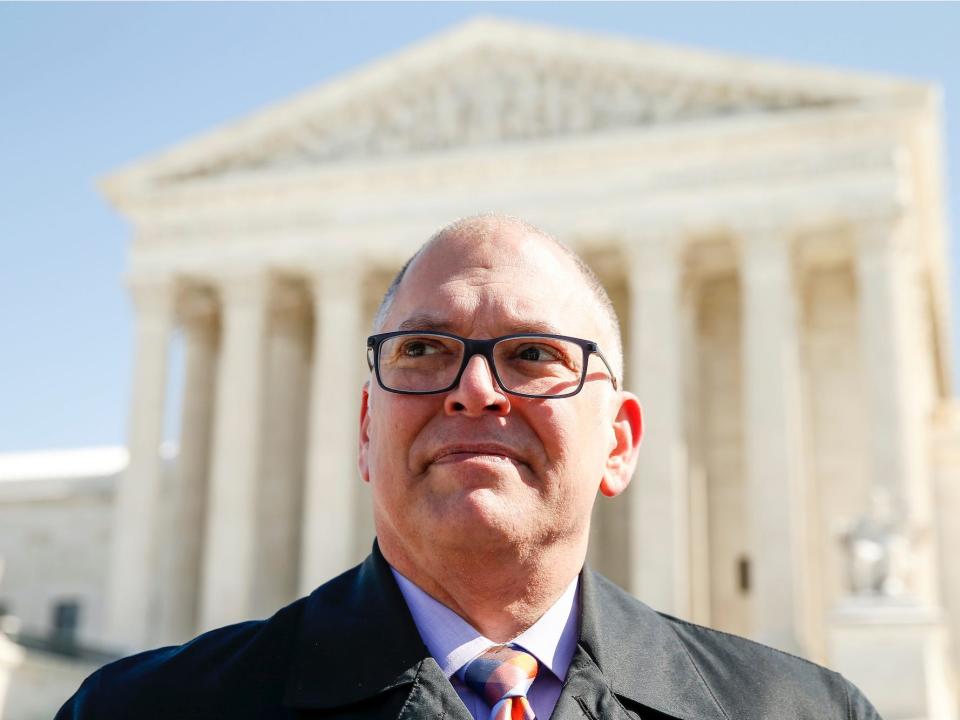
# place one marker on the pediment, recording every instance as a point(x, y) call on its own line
point(495, 82)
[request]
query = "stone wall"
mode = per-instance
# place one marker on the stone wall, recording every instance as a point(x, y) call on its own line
point(55, 547)
point(947, 483)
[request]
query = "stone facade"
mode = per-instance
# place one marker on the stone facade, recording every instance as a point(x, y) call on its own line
point(773, 241)
point(56, 517)
point(56, 514)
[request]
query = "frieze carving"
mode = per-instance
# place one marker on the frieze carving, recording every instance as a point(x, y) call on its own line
point(498, 96)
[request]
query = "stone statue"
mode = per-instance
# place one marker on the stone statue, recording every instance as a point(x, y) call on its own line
point(877, 547)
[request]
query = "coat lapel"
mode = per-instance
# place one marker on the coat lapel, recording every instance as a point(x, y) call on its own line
point(359, 653)
point(629, 663)
point(432, 696)
point(587, 693)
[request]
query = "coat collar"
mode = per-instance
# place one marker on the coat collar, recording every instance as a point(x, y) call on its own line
point(357, 640)
point(639, 653)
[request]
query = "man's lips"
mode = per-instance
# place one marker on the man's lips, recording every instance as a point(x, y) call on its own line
point(467, 451)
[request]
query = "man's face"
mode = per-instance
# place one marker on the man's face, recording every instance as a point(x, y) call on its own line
point(476, 467)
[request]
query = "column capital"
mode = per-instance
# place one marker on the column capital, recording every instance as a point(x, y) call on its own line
point(152, 294)
point(287, 295)
point(656, 256)
point(756, 233)
point(244, 287)
point(880, 233)
point(342, 271)
point(197, 306)
point(335, 286)
point(767, 260)
point(656, 236)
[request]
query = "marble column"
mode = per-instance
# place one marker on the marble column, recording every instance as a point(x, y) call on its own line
point(698, 494)
point(132, 579)
point(890, 340)
point(180, 601)
point(659, 493)
point(773, 440)
point(229, 555)
point(331, 502)
point(280, 494)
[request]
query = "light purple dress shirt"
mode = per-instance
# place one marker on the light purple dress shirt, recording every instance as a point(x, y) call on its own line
point(452, 641)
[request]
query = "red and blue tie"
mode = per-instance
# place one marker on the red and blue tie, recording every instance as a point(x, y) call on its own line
point(502, 676)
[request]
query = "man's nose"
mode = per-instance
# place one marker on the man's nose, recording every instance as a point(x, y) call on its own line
point(478, 392)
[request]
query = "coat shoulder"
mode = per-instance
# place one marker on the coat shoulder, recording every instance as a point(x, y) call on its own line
point(750, 679)
point(239, 669)
point(236, 665)
point(261, 668)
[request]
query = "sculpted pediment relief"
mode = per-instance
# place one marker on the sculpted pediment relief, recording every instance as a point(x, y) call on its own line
point(490, 82)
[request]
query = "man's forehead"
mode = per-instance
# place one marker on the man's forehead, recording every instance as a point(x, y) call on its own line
point(496, 252)
point(439, 322)
point(520, 282)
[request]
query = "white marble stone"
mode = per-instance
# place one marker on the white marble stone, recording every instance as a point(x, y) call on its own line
point(56, 524)
point(887, 270)
point(280, 487)
point(331, 498)
point(237, 470)
point(718, 455)
point(947, 475)
point(775, 472)
point(133, 561)
point(180, 594)
point(897, 655)
point(659, 496)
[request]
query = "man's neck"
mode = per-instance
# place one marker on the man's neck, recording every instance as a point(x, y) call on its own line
point(499, 592)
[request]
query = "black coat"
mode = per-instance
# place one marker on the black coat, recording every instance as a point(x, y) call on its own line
point(351, 650)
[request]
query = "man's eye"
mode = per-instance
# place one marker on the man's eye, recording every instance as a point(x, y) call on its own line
point(419, 348)
point(538, 353)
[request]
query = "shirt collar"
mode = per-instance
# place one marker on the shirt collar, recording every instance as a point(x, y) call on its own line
point(452, 641)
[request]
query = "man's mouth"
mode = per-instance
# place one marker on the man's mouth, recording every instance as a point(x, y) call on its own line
point(491, 452)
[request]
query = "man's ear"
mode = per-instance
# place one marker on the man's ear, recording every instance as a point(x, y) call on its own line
point(364, 435)
point(627, 431)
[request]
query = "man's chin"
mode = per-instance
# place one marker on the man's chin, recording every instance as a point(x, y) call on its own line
point(481, 513)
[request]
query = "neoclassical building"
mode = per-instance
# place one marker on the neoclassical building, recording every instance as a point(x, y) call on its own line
point(772, 237)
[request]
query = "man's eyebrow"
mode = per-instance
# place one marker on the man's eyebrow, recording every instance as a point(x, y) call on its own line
point(430, 323)
point(424, 322)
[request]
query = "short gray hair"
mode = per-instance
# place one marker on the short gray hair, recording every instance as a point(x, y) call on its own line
point(484, 225)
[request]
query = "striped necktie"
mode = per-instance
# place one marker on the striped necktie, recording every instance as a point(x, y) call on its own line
point(502, 676)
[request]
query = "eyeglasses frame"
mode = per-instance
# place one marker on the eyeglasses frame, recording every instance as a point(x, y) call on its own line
point(485, 348)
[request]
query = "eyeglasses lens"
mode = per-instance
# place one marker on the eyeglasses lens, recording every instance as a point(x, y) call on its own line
point(532, 365)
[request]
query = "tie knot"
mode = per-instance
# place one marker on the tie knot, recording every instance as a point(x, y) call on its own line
point(500, 672)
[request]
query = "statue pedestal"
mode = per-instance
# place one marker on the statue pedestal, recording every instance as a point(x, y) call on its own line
point(896, 652)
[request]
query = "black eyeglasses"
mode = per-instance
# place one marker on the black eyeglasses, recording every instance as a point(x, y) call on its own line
point(533, 365)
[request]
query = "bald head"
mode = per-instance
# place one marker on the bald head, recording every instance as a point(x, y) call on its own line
point(508, 233)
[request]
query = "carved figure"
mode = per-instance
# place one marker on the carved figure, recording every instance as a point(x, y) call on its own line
point(876, 547)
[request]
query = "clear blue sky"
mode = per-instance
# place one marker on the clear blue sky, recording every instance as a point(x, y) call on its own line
point(86, 88)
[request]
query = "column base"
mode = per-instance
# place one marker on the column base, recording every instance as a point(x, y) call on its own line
point(896, 652)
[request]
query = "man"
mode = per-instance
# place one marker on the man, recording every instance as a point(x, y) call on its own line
point(493, 415)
